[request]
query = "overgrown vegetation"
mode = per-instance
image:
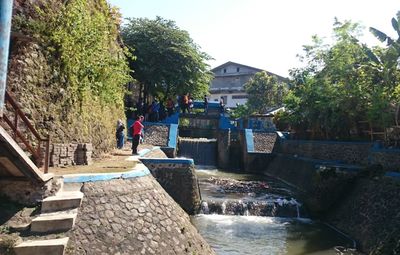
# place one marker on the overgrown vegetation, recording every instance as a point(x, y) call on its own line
point(81, 94)
point(83, 35)
point(343, 85)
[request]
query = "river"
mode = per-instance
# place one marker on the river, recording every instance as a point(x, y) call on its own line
point(250, 214)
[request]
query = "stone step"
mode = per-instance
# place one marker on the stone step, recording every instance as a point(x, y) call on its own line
point(42, 247)
point(54, 222)
point(72, 187)
point(62, 201)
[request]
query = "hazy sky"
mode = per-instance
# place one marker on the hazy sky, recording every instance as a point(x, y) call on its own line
point(262, 33)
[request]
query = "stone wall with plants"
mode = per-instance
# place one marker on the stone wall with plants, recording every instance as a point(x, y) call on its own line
point(67, 69)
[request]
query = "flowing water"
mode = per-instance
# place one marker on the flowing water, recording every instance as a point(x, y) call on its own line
point(203, 151)
point(248, 214)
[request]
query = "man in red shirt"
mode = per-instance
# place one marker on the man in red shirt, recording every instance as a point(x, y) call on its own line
point(137, 133)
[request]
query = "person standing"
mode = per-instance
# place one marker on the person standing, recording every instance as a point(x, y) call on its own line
point(221, 105)
point(205, 105)
point(120, 134)
point(185, 102)
point(155, 109)
point(137, 134)
point(170, 107)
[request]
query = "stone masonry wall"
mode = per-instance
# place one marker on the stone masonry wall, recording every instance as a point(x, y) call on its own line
point(264, 142)
point(71, 154)
point(156, 135)
point(370, 214)
point(388, 159)
point(134, 216)
point(180, 181)
point(351, 153)
point(27, 192)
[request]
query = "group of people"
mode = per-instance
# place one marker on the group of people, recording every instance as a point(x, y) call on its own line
point(155, 112)
point(158, 111)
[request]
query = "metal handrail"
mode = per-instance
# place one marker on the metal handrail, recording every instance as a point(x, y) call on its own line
point(36, 152)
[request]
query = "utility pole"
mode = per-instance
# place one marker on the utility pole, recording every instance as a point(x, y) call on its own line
point(5, 28)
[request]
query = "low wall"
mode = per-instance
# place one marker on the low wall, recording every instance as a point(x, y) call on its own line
point(178, 178)
point(132, 216)
point(71, 154)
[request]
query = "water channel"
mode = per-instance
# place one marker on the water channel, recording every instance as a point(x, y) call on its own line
point(249, 214)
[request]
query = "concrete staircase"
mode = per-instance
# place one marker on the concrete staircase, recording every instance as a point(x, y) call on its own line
point(58, 215)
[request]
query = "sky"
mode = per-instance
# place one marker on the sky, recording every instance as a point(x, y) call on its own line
point(263, 33)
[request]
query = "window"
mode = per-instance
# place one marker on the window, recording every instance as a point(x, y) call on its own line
point(224, 70)
point(240, 97)
point(237, 69)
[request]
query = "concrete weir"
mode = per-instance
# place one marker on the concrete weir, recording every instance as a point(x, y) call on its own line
point(131, 214)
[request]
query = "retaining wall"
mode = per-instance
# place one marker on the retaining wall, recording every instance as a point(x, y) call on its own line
point(163, 135)
point(361, 200)
point(132, 214)
point(347, 152)
point(178, 178)
point(370, 214)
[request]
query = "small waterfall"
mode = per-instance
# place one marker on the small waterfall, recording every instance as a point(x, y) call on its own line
point(278, 208)
point(203, 151)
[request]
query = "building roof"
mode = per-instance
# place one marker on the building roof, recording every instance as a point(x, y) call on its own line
point(250, 67)
point(232, 82)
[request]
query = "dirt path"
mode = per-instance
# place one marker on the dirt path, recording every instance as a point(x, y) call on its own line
point(114, 161)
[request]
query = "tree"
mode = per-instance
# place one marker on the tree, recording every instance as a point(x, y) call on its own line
point(336, 88)
point(168, 62)
point(265, 92)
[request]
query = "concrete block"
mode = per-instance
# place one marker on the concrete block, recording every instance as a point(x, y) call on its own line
point(41, 247)
point(54, 222)
point(62, 201)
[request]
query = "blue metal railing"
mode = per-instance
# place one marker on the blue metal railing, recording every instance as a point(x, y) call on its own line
point(5, 28)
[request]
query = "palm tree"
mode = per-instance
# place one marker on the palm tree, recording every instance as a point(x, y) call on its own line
point(393, 53)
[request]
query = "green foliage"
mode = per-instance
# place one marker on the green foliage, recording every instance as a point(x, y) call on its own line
point(265, 92)
point(168, 61)
point(240, 111)
point(80, 95)
point(341, 85)
point(83, 35)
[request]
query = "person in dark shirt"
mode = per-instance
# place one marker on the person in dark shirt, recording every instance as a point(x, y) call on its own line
point(120, 134)
point(205, 105)
point(170, 106)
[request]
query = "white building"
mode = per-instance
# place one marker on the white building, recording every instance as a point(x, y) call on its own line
point(229, 80)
